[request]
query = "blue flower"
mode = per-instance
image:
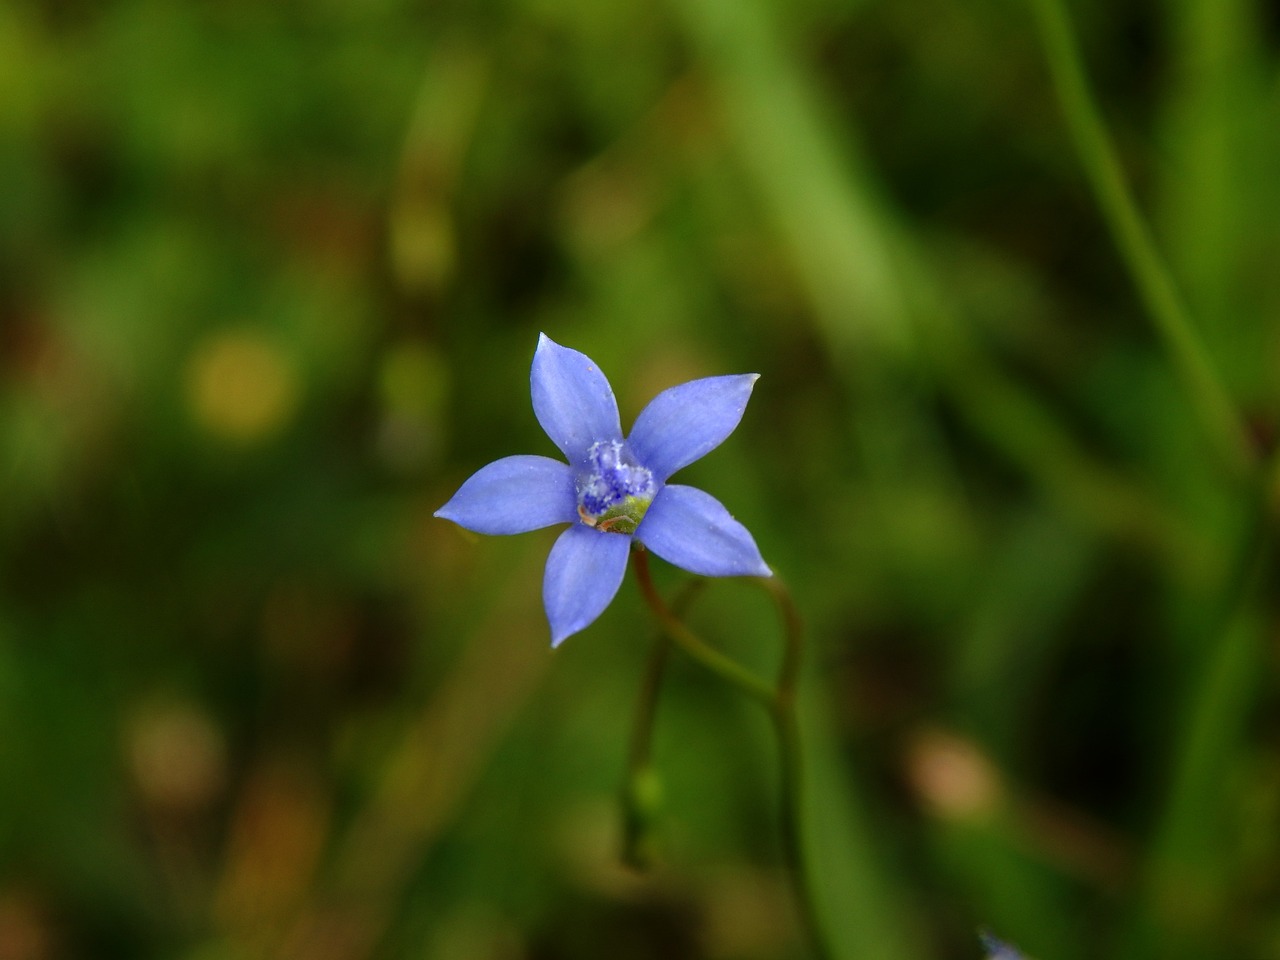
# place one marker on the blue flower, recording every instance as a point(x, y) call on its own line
point(997, 949)
point(612, 490)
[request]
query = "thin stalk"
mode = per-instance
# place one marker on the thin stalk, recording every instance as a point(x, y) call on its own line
point(780, 703)
point(786, 723)
point(1150, 274)
point(792, 816)
point(642, 789)
point(726, 669)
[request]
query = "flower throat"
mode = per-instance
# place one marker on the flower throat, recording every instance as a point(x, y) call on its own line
point(613, 491)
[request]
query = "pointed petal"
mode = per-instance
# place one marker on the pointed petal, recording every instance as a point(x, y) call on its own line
point(685, 423)
point(572, 399)
point(514, 495)
point(584, 570)
point(691, 529)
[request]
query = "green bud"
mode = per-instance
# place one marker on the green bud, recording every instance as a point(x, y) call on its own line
point(642, 808)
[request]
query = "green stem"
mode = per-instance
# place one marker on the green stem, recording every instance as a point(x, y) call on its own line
point(715, 661)
point(786, 723)
point(780, 703)
point(1131, 235)
point(642, 789)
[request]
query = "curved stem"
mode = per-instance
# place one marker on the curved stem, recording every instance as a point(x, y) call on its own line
point(1131, 235)
point(726, 669)
point(793, 630)
point(780, 703)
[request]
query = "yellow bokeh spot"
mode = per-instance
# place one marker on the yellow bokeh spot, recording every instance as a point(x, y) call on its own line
point(241, 386)
point(423, 245)
point(413, 380)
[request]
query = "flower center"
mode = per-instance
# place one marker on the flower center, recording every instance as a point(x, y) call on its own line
point(613, 491)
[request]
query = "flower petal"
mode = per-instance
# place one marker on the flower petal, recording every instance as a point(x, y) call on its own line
point(685, 423)
point(572, 399)
point(691, 529)
point(584, 570)
point(514, 495)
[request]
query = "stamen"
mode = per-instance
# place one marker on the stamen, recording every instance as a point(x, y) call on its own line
point(614, 491)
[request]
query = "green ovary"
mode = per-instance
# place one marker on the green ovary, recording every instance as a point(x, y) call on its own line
point(622, 517)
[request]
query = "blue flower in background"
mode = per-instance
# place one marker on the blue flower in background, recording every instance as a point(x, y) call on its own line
point(997, 949)
point(612, 490)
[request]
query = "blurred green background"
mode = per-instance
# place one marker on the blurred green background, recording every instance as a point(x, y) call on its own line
point(271, 277)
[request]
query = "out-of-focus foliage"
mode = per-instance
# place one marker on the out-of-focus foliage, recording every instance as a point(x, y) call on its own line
point(271, 276)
